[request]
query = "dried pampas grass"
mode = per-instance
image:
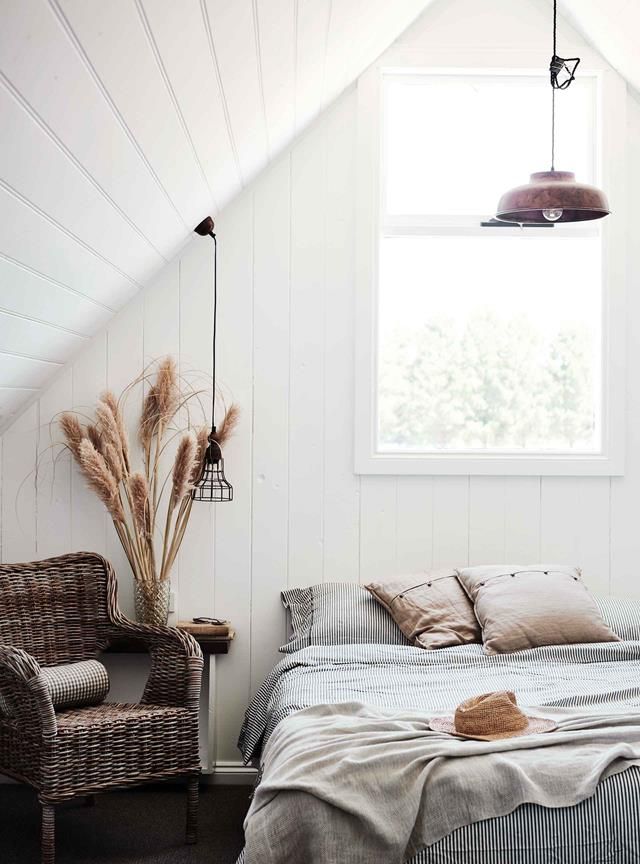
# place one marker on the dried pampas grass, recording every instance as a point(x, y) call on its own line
point(72, 431)
point(184, 466)
point(116, 412)
point(229, 422)
point(202, 442)
point(167, 392)
point(140, 500)
point(94, 436)
point(149, 418)
point(100, 479)
point(134, 498)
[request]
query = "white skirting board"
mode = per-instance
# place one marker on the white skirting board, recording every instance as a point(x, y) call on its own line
point(230, 774)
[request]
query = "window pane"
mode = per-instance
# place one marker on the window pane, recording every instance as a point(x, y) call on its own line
point(453, 145)
point(489, 343)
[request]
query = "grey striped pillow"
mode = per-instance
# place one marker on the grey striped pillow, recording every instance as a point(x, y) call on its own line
point(337, 613)
point(621, 615)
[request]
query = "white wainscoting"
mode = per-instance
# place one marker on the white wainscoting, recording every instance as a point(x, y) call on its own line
point(300, 515)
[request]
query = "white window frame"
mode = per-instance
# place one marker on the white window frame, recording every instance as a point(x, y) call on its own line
point(611, 166)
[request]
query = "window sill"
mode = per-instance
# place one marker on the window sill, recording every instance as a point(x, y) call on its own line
point(583, 465)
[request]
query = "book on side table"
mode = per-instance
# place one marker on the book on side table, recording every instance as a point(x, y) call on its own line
point(219, 630)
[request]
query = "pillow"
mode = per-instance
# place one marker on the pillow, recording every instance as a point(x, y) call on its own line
point(526, 606)
point(337, 613)
point(72, 685)
point(621, 615)
point(75, 685)
point(430, 608)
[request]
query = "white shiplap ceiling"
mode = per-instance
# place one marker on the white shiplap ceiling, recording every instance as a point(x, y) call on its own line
point(122, 124)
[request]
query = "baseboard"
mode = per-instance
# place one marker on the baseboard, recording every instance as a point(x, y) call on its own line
point(230, 774)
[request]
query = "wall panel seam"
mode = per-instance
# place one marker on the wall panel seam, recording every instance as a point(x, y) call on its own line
point(146, 26)
point(289, 363)
point(223, 95)
point(323, 95)
point(40, 321)
point(296, 14)
point(37, 118)
point(21, 356)
point(93, 72)
point(252, 435)
point(258, 48)
point(28, 269)
point(68, 233)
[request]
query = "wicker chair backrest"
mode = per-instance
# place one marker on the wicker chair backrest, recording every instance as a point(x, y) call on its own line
point(57, 610)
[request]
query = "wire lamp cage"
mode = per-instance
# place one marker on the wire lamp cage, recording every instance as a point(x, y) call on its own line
point(212, 485)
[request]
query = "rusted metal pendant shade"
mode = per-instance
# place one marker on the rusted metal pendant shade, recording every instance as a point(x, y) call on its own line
point(552, 196)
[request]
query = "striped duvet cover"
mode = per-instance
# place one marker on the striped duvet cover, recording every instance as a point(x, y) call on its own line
point(602, 830)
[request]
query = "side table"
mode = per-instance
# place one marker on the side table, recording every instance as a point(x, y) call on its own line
point(211, 646)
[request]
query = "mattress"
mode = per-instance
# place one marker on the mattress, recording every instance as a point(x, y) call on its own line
point(604, 829)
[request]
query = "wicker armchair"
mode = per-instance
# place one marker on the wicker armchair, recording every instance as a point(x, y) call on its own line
point(64, 610)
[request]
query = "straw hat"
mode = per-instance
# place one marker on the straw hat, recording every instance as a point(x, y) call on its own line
point(490, 717)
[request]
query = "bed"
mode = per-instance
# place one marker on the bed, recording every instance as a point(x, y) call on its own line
point(604, 829)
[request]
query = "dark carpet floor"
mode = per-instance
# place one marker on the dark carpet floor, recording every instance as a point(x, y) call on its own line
point(142, 826)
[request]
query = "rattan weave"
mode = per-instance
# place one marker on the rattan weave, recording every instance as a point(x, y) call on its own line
point(64, 610)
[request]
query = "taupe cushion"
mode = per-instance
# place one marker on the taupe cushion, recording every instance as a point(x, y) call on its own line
point(430, 608)
point(525, 606)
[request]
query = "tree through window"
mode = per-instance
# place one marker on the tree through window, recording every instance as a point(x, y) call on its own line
point(489, 340)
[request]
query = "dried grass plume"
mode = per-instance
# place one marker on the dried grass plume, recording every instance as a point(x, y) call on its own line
point(229, 422)
point(184, 466)
point(72, 431)
point(149, 506)
point(100, 479)
point(140, 500)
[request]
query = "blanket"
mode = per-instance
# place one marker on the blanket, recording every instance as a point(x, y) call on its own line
point(350, 783)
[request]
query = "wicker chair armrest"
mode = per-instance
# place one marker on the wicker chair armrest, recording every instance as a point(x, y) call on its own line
point(23, 690)
point(175, 677)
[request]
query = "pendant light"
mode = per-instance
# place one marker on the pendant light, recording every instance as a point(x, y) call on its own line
point(212, 485)
point(554, 196)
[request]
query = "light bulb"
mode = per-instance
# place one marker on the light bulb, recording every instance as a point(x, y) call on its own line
point(552, 214)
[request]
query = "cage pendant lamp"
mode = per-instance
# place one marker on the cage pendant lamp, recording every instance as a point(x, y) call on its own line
point(212, 486)
point(554, 196)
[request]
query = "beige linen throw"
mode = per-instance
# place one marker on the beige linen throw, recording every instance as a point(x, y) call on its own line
point(348, 784)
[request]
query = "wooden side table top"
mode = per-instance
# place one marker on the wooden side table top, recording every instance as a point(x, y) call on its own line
point(208, 644)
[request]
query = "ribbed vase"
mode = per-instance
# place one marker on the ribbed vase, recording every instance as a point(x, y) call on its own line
point(152, 602)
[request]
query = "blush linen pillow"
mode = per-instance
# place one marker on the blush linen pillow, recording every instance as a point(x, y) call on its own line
point(527, 606)
point(430, 608)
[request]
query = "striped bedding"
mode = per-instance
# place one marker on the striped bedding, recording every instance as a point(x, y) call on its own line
point(603, 830)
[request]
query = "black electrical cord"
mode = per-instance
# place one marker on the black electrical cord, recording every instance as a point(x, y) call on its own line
point(557, 66)
point(215, 327)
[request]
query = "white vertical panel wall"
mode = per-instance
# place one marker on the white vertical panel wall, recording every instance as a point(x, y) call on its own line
point(300, 515)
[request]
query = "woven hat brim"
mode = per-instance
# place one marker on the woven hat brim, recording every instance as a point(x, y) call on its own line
point(535, 725)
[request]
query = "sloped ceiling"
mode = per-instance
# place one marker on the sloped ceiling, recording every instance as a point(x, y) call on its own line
point(613, 27)
point(124, 123)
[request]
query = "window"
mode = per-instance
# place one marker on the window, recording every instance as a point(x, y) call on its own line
point(488, 345)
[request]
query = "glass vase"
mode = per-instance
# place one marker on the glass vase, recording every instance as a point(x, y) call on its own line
point(152, 602)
